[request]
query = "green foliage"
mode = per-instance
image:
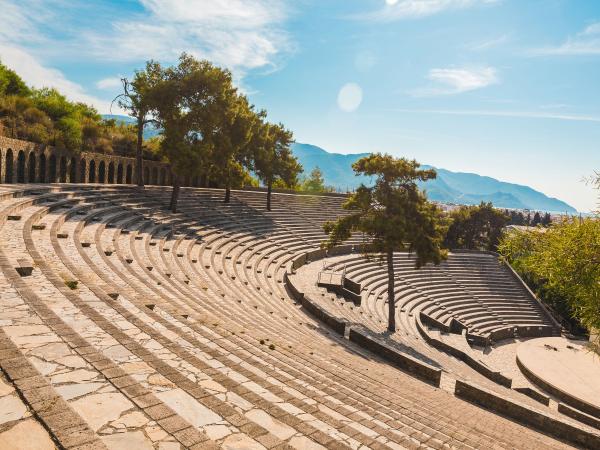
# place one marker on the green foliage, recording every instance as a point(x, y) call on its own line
point(314, 182)
point(231, 138)
point(394, 214)
point(476, 227)
point(46, 116)
point(546, 220)
point(138, 99)
point(515, 217)
point(274, 162)
point(11, 83)
point(71, 284)
point(562, 264)
point(191, 103)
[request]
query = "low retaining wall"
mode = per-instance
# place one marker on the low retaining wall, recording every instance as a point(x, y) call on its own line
point(526, 415)
point(338, 325)
point(475, 364)
point(565, 397)
point(314, 309)
point(578, 415)
point(422, 370)
point(532, 393)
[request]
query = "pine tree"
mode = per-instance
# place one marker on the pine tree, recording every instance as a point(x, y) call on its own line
point(394, 214)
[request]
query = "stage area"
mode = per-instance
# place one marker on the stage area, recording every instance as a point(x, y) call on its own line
point(564, 365)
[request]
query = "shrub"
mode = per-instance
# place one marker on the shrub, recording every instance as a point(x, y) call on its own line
point(72, 284)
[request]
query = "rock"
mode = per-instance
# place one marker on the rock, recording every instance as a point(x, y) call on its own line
point(217, 432)
point(75, 376)
point(51, 352)
point(70, 391)
point(11, 408)
point(5, 388)
point(135, 419)
point(99, 409)
point(26, 435)
point(127, 441)
point(158, 380)
point(240, 442)
point(305, 443)
point(279, 429)
point(188, 408)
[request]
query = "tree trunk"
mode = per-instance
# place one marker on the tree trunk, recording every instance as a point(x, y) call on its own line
point(227, 191)
point(269, 190)
point(174, 193)
point(391, 296)
point(138, 152)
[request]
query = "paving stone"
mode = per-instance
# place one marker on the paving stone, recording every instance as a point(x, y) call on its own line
point(26, 435)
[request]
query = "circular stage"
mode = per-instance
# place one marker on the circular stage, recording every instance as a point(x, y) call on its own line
point(564, 368)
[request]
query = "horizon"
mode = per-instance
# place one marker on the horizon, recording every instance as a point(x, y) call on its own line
point(498, 88)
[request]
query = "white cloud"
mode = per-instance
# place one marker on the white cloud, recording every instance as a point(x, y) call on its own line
point(240, 35)
point(514, 114)
point(37, 75)
point(411, 9)
point(490, 43)
point(109, 83)
point(457, 80)
point(350, 97)
point(586, 42)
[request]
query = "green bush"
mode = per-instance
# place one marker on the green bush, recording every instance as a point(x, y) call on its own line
point(562, 265)
point(72, 284)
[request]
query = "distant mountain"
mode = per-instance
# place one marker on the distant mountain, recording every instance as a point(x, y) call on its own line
point(448, 187)
point(149, 130)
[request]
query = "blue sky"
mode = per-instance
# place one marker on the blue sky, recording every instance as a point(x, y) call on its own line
point(504, 88)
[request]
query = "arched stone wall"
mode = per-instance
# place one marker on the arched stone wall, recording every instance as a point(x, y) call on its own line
point(27, 162)
point(21, 167)
point(101, 172)
point(31, 171)
point(82, 171)
point(120, 173)
point(111, 173)
point(9, 163)
point(42, 174)
point(92, 172)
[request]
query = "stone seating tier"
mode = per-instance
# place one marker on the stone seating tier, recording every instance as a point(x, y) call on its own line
point(157, 338)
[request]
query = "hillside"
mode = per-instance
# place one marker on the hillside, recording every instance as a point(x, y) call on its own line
point(149, 130)
point(449, 187)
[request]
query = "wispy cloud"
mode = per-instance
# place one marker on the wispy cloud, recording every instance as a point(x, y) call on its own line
point(586, 42)
point(413, 9)
point(240, 35)
point(490, 43)
point(457, 80)
point(38, 75)
point(109, 83)
point(514, 114)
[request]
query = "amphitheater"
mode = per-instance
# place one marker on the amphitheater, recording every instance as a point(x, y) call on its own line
point(123, 326)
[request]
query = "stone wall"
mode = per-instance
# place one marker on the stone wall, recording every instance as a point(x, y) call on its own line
point(27, 162)
point(526, 415)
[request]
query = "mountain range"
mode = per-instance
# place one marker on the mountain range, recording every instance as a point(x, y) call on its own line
point(448, 187)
